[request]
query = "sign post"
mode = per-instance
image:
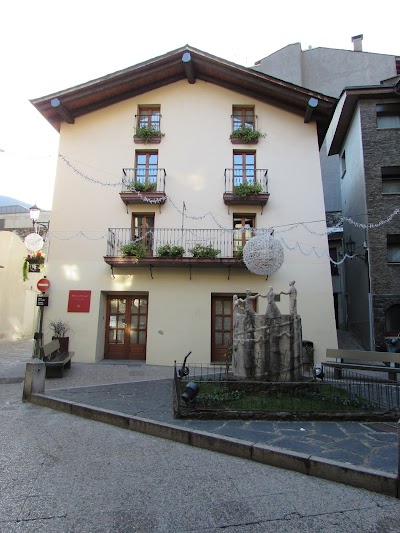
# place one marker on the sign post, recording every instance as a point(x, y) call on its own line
point(42, 300)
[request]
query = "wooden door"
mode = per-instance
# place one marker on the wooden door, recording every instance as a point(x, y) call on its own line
point(126, 327)
point(221, 326)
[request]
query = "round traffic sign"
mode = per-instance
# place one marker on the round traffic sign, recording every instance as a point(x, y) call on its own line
point(43, 284)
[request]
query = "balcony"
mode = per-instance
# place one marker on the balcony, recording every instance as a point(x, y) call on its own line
point(244, 129)
point(143, 185)
point(186, 239)
point(147, 129)
point(246, 189)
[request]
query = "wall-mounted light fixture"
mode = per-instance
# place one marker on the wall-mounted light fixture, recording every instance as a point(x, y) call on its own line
point(34, 213)
point(351, 249)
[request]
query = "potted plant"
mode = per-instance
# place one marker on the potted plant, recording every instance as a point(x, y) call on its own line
point(60, 329)
point(166, 250)
point(246, 135)
point(33, 262)
point(200, 251)
point(133, 249)
point(238, 253)
point(140, 186)
point(247, 189)
point(147, 134)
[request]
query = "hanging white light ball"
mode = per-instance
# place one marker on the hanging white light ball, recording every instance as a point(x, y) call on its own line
point(263, 254)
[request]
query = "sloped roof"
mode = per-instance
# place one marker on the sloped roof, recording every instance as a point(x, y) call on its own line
point(183, 63)
point(351, 96)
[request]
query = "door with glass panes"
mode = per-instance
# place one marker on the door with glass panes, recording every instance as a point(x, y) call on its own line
point(222, 325)
point(126, 327)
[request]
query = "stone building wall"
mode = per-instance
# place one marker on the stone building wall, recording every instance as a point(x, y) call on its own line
point(380, 148)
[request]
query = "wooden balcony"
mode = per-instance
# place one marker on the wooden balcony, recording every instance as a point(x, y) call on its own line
point(143, 185)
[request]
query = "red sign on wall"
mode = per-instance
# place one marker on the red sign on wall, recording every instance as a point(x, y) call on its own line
point(79, 301)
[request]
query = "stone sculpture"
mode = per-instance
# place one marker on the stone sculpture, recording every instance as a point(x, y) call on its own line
point(266, 347)
point(292, 298)
point(272, 310)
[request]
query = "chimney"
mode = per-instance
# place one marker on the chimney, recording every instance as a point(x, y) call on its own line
point(357, 42)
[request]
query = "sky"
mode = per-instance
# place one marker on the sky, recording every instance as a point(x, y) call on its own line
point(48, 46)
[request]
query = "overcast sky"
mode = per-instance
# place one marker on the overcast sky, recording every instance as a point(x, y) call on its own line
point(51, 45)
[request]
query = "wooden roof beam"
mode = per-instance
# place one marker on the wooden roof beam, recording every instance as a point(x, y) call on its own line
point(188, 67)
point(312, 104)
point(62, 111)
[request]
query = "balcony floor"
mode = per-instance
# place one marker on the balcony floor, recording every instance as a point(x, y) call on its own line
point(178, 262)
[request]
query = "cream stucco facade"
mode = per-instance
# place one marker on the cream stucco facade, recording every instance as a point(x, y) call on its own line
point(194, 152)
point(18, 311)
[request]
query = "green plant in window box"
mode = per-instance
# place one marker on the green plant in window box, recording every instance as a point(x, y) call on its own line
point(146, 134)
point(200, 251)
point(247, 189)
point(167, 250)
point(246, 134)
point(140, 186)
point(133, 249)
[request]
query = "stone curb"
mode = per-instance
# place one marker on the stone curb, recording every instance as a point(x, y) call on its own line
point(359, 477)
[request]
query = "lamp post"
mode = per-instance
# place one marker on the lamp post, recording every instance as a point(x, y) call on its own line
point(350, 250)
point(34, 213)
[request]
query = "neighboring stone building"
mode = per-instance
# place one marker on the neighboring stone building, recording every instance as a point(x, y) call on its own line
point(329, 71)
point(365, 133)
point(178, 187)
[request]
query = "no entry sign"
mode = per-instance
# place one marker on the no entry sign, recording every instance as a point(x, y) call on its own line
point(43, 285)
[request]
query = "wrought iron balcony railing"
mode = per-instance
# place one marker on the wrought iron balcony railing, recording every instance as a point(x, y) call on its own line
point(218, 239)
point(239, 121)
point(143, 179)
point(152, 121)
point(255, 176)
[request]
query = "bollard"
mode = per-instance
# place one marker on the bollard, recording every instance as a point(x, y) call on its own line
point(34, 380)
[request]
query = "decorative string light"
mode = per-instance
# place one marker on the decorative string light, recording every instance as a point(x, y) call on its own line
point(263, 254)
point(304, 249)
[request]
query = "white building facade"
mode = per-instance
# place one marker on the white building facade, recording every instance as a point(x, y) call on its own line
point(156, 309)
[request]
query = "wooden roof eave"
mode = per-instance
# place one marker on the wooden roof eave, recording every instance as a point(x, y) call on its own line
point(170, 68)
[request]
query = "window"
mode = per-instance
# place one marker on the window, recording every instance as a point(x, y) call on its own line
point(149, 117)
point(241, 221)
point(244, 167)
point(388, 116)
point(143, 229)
point(243, 116)
point(343, 163)
point(393, 248)
point(390, 180)
point(146, 167)
point(392, 320)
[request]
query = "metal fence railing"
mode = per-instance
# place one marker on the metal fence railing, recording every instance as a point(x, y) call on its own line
point(354, 397)
point(251, 176)
point(133, 179)
point(153, 239)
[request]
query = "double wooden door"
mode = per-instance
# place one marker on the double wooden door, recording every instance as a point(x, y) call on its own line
point(126, 327)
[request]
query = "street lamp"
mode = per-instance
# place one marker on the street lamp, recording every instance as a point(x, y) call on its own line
point(351, 248)
point(34, 213)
